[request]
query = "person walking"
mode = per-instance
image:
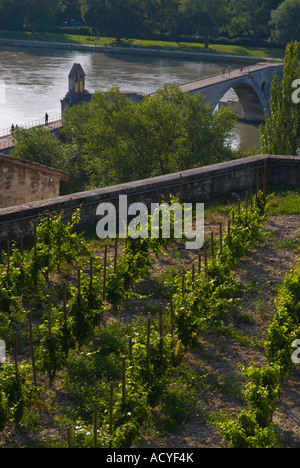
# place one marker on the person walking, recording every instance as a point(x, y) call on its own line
point(229, 71)
point(46, 118)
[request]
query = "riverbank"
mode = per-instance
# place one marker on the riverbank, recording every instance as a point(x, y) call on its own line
point(140, 47)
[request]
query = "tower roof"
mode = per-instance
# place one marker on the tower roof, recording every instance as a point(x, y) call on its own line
point(77, 68)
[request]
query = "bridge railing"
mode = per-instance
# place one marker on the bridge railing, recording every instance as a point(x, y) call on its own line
point(216, 78)
point(53, 121)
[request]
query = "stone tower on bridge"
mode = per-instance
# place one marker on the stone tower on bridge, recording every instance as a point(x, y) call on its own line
point(77, 94)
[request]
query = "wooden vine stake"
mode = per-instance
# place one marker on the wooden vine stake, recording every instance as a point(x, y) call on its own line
point(104, 273)
point(79, 282)
point(123, 380)
point(34, 235)
point(91, 273)
point(16, 357)
point(8, 256)
point(265, 177)
point(199, 264)
point(65, 301)
point(161, 344)
point(221, 238)
point(31, 348)
point(148, 346)
point(70, 212)
point(172, 328)
point(212, 244)
point(96, 426)
point(116, 255)
point(111, 401)
point(228, 230)
point(130, 355)
point(22, 243)
point(69, 436)
point(181, 189)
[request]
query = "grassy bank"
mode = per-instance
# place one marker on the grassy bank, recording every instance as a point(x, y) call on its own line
point(217, 49)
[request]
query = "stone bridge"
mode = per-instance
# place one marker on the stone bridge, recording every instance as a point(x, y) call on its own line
point(252, 85)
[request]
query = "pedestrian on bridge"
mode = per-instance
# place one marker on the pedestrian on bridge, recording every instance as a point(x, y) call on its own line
point(46, 118)
point(229, 71)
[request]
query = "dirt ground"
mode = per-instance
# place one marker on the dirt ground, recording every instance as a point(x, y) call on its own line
point(264, 269)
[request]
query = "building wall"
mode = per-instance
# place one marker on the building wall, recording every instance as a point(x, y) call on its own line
point(24, 181)
point(196, 185)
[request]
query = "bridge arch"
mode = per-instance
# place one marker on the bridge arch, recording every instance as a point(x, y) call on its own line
point(251, 96)
point(251, 86)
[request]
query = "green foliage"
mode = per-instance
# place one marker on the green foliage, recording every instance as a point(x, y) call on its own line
point(207, 300)
point(262, 392)
point(121, 141)
point(281, 132)
point(285, 22)
point(36, 144)
point(202, 302)
point(57, 243)
point(254, 429)
point(246, 432)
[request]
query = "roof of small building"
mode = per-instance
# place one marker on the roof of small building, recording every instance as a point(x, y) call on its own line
point(10, 160)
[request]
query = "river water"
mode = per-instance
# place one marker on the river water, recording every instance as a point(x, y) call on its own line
point(33, 80)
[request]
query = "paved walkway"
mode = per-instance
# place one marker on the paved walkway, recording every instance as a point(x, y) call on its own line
point(234, 73)
point(6, 141)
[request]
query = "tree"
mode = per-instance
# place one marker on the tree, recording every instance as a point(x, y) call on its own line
point(285, 22)
point(12, 13)
point(250, 18)
point(38, 145)
point(120, 141)
point(42, 14)
point(206, 17)
point(281, 132)
point(117, 18)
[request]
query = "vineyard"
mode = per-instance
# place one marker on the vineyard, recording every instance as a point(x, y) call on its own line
point(106, 341)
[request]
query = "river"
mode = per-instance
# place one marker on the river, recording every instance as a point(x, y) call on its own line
point(33, 80)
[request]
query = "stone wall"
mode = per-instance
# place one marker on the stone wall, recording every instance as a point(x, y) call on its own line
point(23, 181)
point(197, 185)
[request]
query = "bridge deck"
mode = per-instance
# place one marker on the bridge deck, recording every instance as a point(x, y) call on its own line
point(6, 141)
point(235, 73)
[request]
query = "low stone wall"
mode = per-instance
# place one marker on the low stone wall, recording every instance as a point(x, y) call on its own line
point(196, 185)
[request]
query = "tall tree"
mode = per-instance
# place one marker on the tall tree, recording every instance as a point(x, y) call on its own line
point(41, 14)
point(285, 22)
point(206, 17)
point(281, 132)
point(117, 18)
point(250, 18)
